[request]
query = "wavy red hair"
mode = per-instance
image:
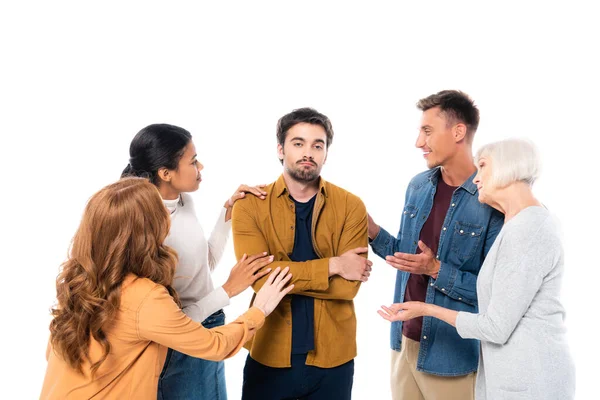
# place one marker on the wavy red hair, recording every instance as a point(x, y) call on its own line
point(122, 232)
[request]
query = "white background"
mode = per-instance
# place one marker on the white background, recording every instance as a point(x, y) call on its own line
point(78, 80)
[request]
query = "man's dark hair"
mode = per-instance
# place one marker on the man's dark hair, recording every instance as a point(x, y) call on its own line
point(457, 107)
point(308, 115)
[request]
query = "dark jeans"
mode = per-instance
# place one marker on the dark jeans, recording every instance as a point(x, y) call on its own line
point(301, 381)
point(184, 377)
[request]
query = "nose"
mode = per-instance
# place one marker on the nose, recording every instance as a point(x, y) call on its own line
point(199, 166)
point(476, 179)
point(308, 153)
point(420, 140)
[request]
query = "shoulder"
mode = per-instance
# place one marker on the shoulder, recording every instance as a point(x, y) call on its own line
point(136, 291)
point(343, 196)
point(534, 230)
point(251, 203)
point(188, 201)
point(421, 178)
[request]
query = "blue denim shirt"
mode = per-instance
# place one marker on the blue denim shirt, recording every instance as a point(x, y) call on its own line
point(469, 231)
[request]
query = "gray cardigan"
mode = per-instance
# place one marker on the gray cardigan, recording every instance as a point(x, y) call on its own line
point(524, 351)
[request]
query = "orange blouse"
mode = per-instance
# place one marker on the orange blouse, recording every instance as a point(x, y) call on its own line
point(147, 323)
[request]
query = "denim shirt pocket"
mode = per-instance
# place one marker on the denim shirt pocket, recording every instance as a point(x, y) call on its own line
point(408, 226)
point(465, 239)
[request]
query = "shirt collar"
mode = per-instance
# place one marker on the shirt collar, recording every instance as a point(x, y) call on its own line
point(281, 188)
point(467, 185)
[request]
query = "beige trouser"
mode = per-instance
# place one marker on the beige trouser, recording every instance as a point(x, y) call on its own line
point(410, 384)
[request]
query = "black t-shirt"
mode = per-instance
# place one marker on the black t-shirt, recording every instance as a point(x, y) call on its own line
point(303, 307)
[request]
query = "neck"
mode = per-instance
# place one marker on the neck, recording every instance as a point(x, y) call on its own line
point(514, 198)
point(459, 168)
point(301, 191)
point(167, 192)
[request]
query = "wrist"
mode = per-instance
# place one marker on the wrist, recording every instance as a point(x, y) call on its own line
point(373, 231)
point(227, 288)
point(261, 309)
point(436, 268)
point(334, 266)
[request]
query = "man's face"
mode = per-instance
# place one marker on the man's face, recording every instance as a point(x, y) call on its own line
point(304, 152)
point(436, 138)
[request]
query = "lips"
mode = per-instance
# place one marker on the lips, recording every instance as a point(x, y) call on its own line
point(308, 163)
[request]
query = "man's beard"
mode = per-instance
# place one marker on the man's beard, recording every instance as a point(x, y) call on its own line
point(304, 175)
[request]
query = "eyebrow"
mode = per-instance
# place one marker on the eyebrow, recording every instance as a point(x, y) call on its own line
point(426, 126)
point(304, 140)
point(194, 156)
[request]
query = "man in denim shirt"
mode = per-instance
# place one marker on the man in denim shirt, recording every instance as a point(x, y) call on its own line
point(445, 234)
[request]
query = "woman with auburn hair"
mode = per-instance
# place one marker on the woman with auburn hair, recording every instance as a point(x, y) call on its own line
point(166, 155)
point(524, 352)
point(117, 311)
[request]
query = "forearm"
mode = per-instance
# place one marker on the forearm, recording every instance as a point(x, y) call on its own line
point(385, 244)
point(218, 240)
point(441, 313)
point(456, 284)
point(206, 306)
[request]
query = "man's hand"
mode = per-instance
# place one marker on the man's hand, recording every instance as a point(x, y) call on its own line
point(351, 266)
point(373, 228)
point(423, 264)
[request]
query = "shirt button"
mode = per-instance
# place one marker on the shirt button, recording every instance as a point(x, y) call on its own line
point(472, 233)
point(412, 215)
point(431, 284)
point(288, 322)
point(425, 337)
point(443, 290)
point(453, 204)
point(292, 227)
point(405, 212)
point(461, 231)
point(460, 298)
point(444, 228)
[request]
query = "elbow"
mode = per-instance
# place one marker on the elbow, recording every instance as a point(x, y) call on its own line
point(498, 335)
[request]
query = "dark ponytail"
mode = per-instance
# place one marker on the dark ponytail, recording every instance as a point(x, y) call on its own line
point(154, 147)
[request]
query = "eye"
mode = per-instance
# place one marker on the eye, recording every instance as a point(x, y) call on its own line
point(318, 147)
point(298, 144)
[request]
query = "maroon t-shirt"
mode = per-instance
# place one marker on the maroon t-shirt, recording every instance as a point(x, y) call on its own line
point(416, 288)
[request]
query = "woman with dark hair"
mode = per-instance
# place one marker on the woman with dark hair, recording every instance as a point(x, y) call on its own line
point(166, 155)
point(117, 311)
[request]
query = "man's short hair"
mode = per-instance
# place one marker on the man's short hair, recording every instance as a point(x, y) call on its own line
point(307, 115)
point(512, 160)
point(456, 106)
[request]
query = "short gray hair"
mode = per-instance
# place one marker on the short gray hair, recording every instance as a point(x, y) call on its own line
point(512, 160)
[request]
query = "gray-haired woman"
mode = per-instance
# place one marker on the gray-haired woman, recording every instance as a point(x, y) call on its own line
point(524, 351)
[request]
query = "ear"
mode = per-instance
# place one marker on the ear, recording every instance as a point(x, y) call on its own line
point(459, 132)
point(280, 153)
point(164, 174)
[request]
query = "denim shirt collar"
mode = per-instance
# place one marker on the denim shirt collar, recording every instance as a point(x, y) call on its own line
point(467, 185)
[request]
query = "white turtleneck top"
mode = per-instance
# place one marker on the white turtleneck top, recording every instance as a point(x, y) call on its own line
point(197, 258)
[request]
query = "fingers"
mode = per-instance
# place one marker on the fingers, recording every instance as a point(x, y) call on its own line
point(359, 250)
point(424, 248)
point(284, 281)
point(280, 277)
point(285, 291)
point(255, 190)
point(272, 276)
point(260, 263)
point(407, 258)
point(258, 275)
point(255, 257)
point(385, 316)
